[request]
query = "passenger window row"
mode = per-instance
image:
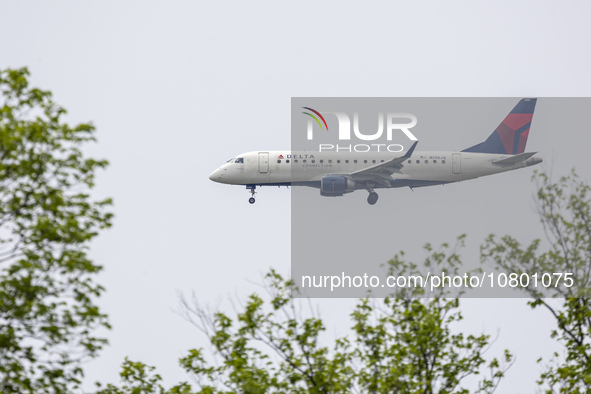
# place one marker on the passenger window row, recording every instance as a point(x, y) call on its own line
point(329, 161)
point(355, 161)
point(426, 161)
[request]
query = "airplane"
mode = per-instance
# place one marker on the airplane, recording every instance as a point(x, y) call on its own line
point(339, 173)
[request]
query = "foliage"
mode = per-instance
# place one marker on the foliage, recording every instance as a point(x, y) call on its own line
point(402, 344)
point(409, 348)
point(138, 378)
point(564, 208)
point(47, 219)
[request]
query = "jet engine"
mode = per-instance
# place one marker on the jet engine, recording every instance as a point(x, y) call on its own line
point(336, 185)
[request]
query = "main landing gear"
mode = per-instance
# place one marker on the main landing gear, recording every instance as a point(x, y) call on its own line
point(252, 193)
point(373, 197)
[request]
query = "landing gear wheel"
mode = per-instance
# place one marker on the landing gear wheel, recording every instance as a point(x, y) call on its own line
point(372, 198)
point(252, 189)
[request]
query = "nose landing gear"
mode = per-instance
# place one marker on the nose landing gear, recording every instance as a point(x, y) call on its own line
point(252, 193)
point(373, 197)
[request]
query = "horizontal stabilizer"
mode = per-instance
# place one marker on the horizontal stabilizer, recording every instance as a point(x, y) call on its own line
point(509, 161)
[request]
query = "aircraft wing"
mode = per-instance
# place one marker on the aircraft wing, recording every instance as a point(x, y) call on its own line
point(380, 173)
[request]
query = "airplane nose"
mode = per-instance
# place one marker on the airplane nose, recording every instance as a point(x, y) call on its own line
point(216, 176)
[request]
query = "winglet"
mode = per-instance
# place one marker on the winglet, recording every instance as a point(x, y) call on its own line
point(388, 167)
point(409, 152)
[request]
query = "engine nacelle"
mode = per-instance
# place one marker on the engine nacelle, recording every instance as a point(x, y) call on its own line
point(336, 185)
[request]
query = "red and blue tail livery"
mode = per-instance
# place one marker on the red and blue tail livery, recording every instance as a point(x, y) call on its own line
point(511, 135)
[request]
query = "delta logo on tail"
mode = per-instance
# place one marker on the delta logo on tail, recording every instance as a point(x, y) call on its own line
point(511, 135)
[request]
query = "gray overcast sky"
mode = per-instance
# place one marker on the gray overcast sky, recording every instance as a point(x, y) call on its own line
point(177, 87)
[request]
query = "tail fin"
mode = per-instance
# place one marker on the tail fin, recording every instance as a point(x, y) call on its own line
point(511, 135)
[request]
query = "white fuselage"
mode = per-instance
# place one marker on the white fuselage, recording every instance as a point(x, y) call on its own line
point(308, 167)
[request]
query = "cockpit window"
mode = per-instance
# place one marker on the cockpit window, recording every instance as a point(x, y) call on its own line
point(239, 160)
point(231, 160)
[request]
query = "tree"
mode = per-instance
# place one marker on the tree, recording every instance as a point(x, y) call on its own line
point(403, 344)
point(47, 219)
point(564, 209)
point(138, 378)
